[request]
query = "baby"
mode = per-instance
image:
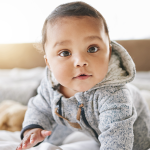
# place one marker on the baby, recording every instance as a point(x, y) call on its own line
point(85, 87)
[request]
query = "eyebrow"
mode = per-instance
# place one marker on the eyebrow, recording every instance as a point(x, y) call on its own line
point(68, 41)
point(61, 43)
point(93, 38)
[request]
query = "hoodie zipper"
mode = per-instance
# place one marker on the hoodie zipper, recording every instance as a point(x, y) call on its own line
point(59, 110)
point(85, 121)
point(80, 112)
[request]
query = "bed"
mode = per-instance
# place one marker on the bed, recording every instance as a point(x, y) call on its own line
point(21, 70)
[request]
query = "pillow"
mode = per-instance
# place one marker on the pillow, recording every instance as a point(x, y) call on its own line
point(142, 80)
point(146, 95)
point(20, 84)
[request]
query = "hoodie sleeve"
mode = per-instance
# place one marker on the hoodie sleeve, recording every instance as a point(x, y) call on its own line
point(39, 113)
point(116, 119)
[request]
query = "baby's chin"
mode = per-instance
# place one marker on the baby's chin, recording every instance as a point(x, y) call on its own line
point(83, 89)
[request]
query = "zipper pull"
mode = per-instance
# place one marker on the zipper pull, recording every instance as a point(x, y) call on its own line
point(79, 112)
point(75, 125)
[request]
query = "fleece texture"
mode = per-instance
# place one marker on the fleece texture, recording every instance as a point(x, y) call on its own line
point(114, 113)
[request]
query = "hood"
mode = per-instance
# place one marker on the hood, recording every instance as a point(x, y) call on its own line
point(121, 69)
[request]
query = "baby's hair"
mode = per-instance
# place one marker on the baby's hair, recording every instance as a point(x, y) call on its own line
point(74, 9)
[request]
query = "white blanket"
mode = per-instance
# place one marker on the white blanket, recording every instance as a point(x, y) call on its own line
point(75, 141)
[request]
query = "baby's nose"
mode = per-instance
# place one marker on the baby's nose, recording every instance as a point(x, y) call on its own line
point(80, 61)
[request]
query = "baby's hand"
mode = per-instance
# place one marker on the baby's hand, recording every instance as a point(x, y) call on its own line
point(32, 137)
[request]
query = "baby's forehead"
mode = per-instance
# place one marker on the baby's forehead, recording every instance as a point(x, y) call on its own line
point(64, 27)
point(63, 20)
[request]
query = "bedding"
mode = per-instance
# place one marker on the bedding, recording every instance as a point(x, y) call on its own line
point(11, 115)
point(75, 141)
point(20, 84)
point(142, 82)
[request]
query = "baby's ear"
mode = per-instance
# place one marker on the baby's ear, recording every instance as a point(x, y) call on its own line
point(46, 61)
point(110, 51)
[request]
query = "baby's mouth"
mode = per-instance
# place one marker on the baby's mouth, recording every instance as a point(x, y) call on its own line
point(82, 76)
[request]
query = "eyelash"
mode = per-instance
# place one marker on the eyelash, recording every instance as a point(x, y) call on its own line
point(62, 52)
point(87, 50)
point(94, 46)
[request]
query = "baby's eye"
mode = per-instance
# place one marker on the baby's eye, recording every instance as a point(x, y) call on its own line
point(64, 53)
point(93, 49)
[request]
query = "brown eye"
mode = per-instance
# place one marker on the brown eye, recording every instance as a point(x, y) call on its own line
point(93, 49)
point(64, 53)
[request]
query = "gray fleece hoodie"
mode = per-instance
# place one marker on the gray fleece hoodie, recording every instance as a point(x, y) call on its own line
point(112, 112)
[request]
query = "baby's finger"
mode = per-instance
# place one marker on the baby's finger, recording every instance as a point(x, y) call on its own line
point(32, 141)
point(19, 147)
point(32, 138)
point(25, 142)
point(45, 133)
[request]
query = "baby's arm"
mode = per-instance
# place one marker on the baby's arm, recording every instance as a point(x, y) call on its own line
point(32, 137)
point(117, 116)
point(39, 112)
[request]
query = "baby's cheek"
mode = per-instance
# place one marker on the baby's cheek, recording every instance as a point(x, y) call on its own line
point(62, 76)
point(101, 73)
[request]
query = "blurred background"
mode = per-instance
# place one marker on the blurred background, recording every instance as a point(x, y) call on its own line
point(21, 21)
point(22, 67)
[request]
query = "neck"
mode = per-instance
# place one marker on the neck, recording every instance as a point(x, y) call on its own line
point(67, 92)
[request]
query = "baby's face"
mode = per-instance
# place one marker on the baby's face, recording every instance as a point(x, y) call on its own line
point(77, 52)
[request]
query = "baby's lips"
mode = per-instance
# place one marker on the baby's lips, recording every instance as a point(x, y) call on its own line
point(82, 74)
